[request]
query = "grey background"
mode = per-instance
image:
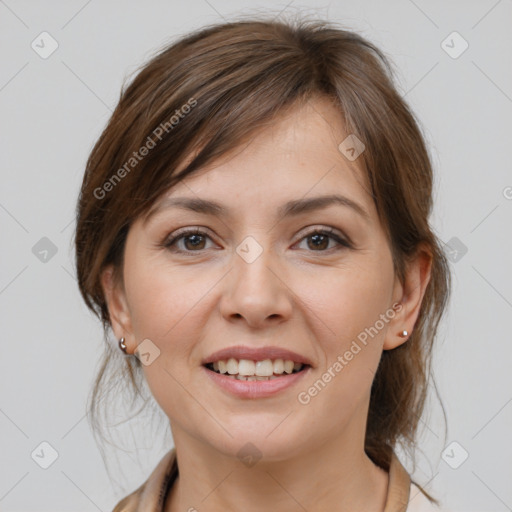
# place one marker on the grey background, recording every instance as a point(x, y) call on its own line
point(52, 111)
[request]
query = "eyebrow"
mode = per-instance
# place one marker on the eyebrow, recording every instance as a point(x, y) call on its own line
point(289, 209)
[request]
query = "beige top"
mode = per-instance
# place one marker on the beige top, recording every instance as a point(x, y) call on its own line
point(403, 496)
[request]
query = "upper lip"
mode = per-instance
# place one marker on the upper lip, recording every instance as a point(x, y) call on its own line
point(256, 354)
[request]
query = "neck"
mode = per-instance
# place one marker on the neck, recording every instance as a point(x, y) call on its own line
point(332, 476)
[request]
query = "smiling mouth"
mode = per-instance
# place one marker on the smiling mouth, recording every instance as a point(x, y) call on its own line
point(248, 370)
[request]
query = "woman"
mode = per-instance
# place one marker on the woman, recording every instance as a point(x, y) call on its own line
point(253, 227)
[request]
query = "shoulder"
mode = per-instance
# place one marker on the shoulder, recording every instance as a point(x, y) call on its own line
point(150, 496)
point(131, 502)
point(404, 494)
point(418, 502)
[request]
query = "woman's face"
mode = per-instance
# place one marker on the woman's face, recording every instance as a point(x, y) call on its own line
point(259, 275)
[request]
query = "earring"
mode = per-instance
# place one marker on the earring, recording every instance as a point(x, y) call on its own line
point(403, 334)
point(122, 345)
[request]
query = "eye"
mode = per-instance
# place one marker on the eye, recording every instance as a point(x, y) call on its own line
point(193, 240)
point(319, 239)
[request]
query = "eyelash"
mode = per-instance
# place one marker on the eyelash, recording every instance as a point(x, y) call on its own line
point(169, 242)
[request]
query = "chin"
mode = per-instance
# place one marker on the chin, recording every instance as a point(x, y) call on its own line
point(255, 444)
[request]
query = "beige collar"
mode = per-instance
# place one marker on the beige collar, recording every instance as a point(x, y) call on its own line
point(150, 496)
point(399, 487)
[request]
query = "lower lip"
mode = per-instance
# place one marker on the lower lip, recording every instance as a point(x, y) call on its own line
point(256, 388)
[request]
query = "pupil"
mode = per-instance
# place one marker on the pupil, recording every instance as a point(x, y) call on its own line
point(319, 240)
point(196, 240)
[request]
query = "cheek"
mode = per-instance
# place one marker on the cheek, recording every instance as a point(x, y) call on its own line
point(350, 337)
point(348, 305)
point(162, 298)
point(167, 306)
point(164, 306)
point(349, 300)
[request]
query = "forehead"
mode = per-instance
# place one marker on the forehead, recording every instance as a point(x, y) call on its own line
point(296, 156)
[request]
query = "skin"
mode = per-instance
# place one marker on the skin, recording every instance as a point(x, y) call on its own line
point(295, 295)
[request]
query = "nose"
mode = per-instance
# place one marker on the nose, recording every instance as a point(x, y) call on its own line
point(255, 292)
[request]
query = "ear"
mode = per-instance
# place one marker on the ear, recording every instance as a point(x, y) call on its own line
point(118, 309)
point(410, 295)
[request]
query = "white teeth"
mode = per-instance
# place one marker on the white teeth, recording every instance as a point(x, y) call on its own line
point(264, 368)
point(255, 370)
point(232, 366)
point(246, 367)
point(279, 366)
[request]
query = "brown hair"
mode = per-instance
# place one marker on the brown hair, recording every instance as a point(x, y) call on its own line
point(236, 77)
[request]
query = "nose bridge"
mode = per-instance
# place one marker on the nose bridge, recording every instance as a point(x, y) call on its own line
point(254, 290)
